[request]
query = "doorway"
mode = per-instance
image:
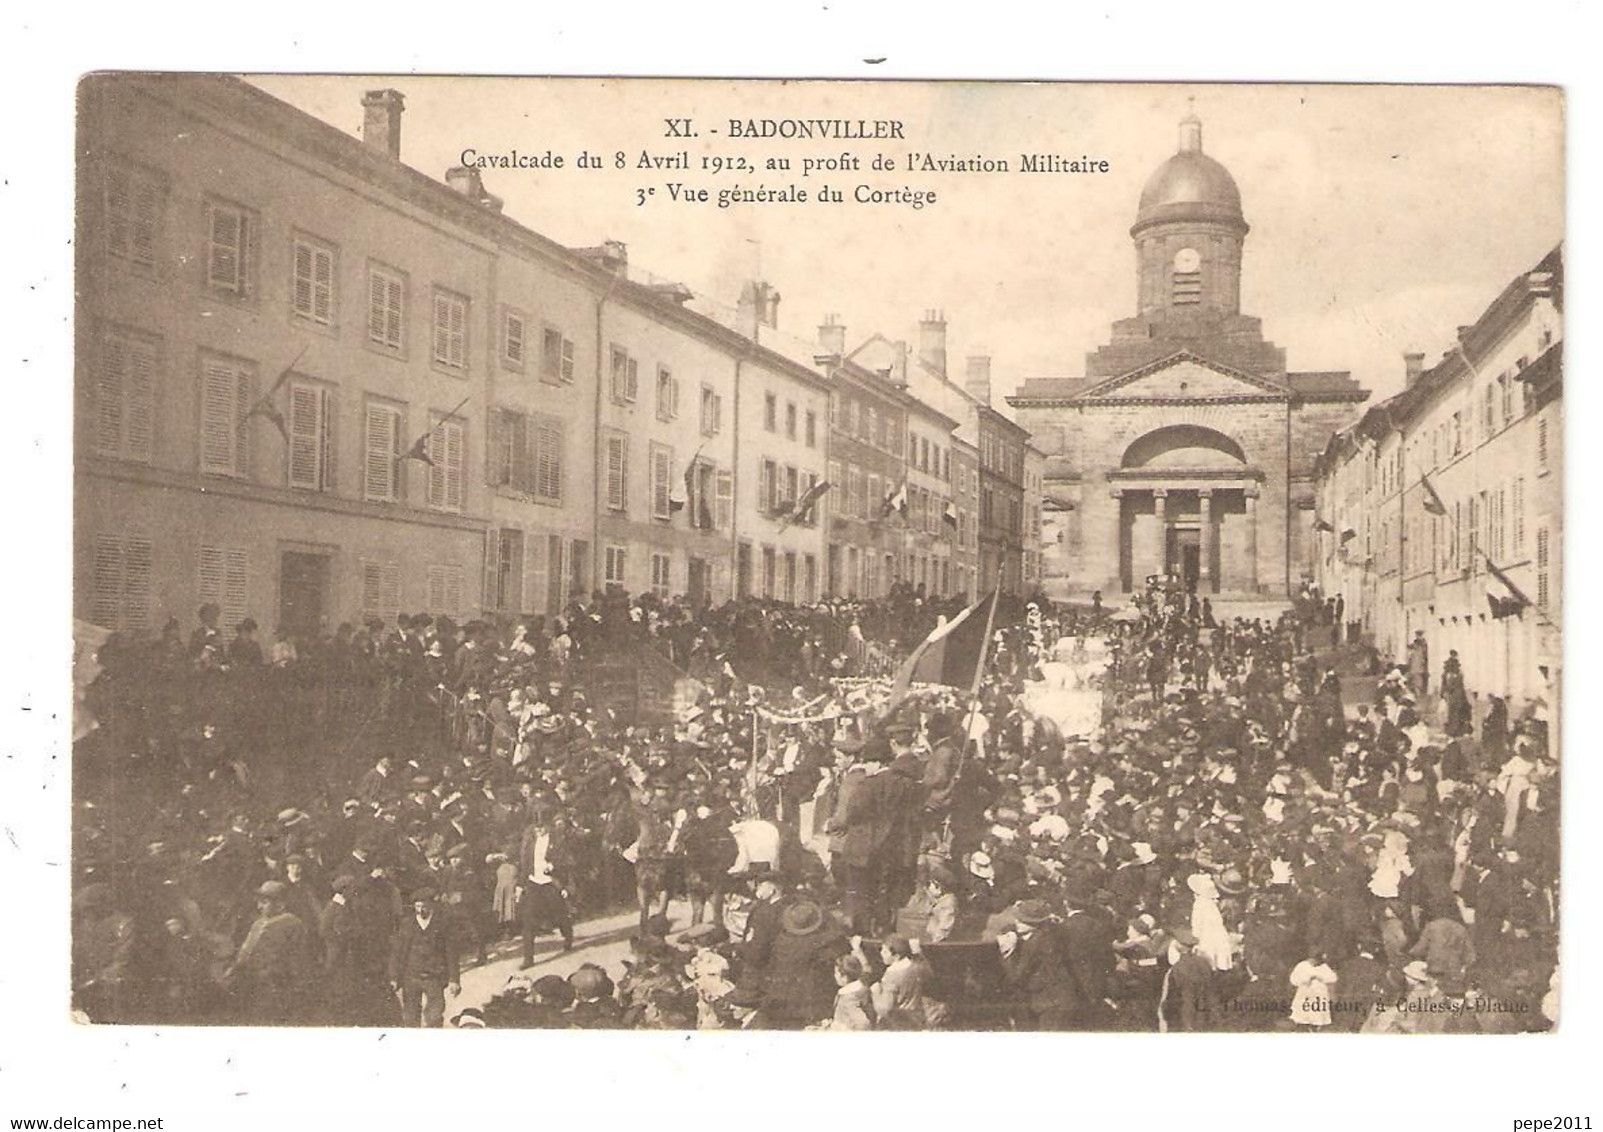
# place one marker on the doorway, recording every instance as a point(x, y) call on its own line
point(1183, 557)
point(302, 594)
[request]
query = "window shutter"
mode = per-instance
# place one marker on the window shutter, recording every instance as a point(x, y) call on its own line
point(377, 308)
point(119, 209)
point(726, 500)
point(245, 386)
point(305, 256)
point(110, 387)
point(634, 380)
point(305, 436)
point(442, 329)
point(536, 598)
point(661, 469)
point(523, 454)
point(548, 441)
point(617, 473)
point(138, 563)
point(382, 473)
point(107, 586)
point(557, 569)
point(225, 263)
point(490, 596)
point(331, 446)
point(219, 398)
point(459, 332)
point(456, 462)
point(139, 400)
point(765, 486)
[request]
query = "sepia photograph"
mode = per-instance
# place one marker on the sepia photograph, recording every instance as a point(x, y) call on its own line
point(778, 555)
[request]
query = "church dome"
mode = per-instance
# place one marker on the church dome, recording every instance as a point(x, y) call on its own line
point(1190, 186)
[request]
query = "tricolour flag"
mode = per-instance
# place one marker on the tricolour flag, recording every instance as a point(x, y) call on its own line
point(953, 654)
point(949, 515)
point(1322, 525)
point(805, 504)
point(1504, 605)
point(895, 501)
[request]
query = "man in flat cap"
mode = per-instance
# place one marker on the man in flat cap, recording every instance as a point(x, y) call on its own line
point(423, 963)
point(270, 974)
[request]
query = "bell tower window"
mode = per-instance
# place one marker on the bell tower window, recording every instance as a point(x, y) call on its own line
point(1186, 278)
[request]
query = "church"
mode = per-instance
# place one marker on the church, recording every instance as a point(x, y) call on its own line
point(1186, 449)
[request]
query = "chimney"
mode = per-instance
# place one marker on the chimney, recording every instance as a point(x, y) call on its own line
point(381, 120)
point(611, 255)
point(1413, 366)
point(932, 341)
point(977, 381)
point(465, 181)
point(898, 374)
point(832, 335)
point(758, 307)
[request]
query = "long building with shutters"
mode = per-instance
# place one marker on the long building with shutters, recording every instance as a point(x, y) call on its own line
point(1441, 510)
point(284, 341)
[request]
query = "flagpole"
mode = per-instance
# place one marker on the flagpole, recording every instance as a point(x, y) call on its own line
point(974, 695)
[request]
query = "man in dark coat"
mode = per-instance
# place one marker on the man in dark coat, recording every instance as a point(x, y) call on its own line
point(423, 963)
point(272, 970)
point(798, 985)
point(861, 829)
point(1036, 970)
point(1088, 933)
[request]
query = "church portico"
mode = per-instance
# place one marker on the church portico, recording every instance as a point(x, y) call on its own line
point(1180, 444)
point(1202, 530)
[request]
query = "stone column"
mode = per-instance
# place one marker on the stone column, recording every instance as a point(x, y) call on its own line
point(1116, 584)
point(1205, 541)
point(1251, 538)
point(1160, 500)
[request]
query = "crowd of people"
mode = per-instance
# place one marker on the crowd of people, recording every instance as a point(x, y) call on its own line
point(331, 832)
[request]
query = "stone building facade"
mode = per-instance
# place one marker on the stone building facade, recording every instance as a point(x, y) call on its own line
point(1186, 447)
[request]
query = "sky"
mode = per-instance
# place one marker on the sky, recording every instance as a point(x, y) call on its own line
point(1382, 218)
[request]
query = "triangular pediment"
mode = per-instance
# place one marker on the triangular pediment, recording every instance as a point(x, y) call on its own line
point(1183, 376)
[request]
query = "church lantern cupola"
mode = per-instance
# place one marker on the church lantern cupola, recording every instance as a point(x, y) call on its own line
point(1188, 234)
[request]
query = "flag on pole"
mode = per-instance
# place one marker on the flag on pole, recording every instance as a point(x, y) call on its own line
point(1322, 525)
point(265, 406)
point(953, 654)
point(1510, 603)
point(1433, 502)
point(895, 501)
point(805, 504)
point(420, 451)
point(949, 514)
point(677, 505)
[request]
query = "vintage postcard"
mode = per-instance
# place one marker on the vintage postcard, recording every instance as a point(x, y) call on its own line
point(817, 555)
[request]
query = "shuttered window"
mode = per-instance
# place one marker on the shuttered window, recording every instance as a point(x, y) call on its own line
point(383, 441)
point(712, 412)
point(625, 382)
point(450, 330)
point(513, 329)
point(1518, 549)
point(617, 473)
point(124, 396)
point(512, 451)
point(667, 394)
point(661, 481)
point(134, 204)
point(445, 591)
point(549, 457)
point(661, 575)
point(381, 590)
point(226, 395)
point(386, 308)
point(223, 575)
point(447, 448)
point(556, 357)
point(120, 582)
point(726, 500)
point(1542, 552)
point(311, 437)
point(312, 284)
point(614, 565)
point(228, 249)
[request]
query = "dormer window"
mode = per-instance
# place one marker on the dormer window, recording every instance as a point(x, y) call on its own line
point(1186, 279)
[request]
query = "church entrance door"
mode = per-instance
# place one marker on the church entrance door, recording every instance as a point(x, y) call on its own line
point(1183, 556)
